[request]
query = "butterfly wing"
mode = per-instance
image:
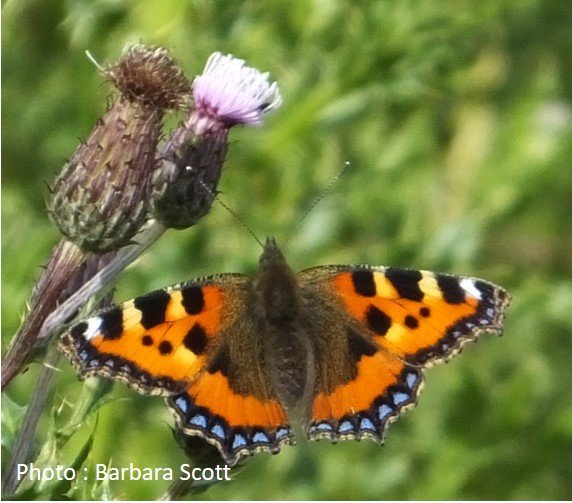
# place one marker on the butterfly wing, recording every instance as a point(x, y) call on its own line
point(192, 343)
point(155, 343)
point(233, 404)
point(392, 323)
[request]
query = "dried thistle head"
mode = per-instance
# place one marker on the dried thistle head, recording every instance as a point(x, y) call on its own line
point(150, 76)
point(100, 199)
point(191, 160)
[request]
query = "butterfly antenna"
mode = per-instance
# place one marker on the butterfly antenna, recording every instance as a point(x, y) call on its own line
point(227, 208)
point(324, 193)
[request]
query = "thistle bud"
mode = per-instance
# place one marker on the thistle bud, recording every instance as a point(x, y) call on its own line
point(100, 199)
point(191, 160)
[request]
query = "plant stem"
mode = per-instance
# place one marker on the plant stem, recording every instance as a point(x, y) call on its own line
point(65, 261)
point(102, 281)
point(26, 435)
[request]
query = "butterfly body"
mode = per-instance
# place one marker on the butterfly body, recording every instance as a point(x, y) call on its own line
point(336, 350)
point(280, 321)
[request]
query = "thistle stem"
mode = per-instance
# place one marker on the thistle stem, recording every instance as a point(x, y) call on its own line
point(102, 281)
point(26, 435)
point(65, 261)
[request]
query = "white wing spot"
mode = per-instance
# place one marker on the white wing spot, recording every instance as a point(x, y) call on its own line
point(469, 286)
point(93, 328)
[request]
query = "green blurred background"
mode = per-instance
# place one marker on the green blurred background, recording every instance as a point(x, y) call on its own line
point(456, 117)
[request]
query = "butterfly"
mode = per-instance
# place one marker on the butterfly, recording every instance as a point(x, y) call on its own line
point(337, 350)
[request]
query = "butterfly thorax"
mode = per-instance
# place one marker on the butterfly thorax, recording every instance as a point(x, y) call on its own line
point(277, 288)
point(287, 347)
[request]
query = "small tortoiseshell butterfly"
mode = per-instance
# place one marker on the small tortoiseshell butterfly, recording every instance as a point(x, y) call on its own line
point(339, 350)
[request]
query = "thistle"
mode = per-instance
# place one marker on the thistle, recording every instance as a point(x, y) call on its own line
point(190, 162)
point(100, 199)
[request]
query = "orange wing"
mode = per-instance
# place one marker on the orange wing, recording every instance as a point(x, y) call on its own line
point(238, 425)
point(420, 316)
point(155, 343)
point(383, 388)
point(399, 321)
point(170, 343)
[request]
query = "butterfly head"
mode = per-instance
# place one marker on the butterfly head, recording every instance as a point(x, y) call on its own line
point(271, 254)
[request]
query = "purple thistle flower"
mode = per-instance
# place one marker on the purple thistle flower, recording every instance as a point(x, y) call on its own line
point(234, 93)
point(190, 162)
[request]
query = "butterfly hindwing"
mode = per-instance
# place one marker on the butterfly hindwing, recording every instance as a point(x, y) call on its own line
point(362, 408)
point(396, 322)
point(241, 426)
